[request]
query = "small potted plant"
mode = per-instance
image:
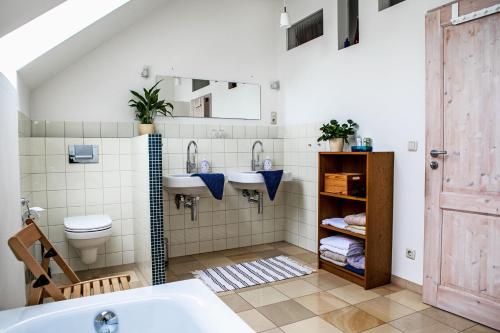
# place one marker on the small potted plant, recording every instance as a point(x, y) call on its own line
point(337, 133)
point(147, 107)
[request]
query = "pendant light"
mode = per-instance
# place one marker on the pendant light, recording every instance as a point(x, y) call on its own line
point(285, 18)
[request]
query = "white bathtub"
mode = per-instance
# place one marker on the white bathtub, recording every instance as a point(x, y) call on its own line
point(185, 306)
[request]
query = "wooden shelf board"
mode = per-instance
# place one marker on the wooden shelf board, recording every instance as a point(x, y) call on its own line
point(342, 272)
point(342, 196)
point(342, 231)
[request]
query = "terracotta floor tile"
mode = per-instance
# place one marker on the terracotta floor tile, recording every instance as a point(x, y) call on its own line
point(393, 287)
point(385, 328)
point(263, 296)
point(419, 323)
point(236, 302)
point(385, 309)
point(321, 302)
point(215, 262)
point(256, 320)
point(284, 313)
point(353, 294)
point(311, 325)
point(269, 253)
point(185, 268)
point(274, 330)
point(180, 260)
point(480, 329)
point(409, 299)
point(326, 281)
point(262, 247)
point(308, 257)
point(238, 258)
point(278, 245)
point(293, 250)
point(351, 320)
point(448, 319)
point(382, 291)
point(297, 288)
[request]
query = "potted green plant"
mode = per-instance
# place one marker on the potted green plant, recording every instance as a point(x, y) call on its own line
point(337, 133)
point(147, 107)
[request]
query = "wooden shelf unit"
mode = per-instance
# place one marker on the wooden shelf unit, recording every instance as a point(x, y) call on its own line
point(379, 170)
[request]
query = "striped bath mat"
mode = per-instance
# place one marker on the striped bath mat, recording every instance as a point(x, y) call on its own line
point(247, 274)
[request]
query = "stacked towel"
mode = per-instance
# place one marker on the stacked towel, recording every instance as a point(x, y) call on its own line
point(335, 222)
point(354, 223)
point(356, 219)
point(343, 251)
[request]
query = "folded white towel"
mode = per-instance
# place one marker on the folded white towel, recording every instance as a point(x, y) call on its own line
point(356, 250)
point(336, 222)
point(338, 263)
point(341, 242)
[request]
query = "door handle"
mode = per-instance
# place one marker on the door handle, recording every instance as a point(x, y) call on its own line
point(435, 153)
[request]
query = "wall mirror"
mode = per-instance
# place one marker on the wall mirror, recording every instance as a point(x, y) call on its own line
point(200, 98)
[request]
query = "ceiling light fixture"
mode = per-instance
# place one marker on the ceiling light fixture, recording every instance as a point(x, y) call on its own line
point(285, 18)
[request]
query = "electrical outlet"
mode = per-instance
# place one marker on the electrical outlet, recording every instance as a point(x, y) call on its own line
point(274, 118)
point(410, 254)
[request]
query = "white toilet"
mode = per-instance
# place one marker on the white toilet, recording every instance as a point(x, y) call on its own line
point(87, 233)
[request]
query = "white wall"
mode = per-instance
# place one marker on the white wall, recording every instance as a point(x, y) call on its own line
point(12, 291)
point(380, 84)
point(222, 39)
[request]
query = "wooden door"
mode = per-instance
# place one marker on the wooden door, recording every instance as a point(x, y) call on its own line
point(462, 219)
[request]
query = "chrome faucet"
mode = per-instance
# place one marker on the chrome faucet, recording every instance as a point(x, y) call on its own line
point(191, 165)
point(256, 162)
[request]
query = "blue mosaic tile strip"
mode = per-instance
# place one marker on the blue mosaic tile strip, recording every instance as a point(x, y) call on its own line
point(156, 208)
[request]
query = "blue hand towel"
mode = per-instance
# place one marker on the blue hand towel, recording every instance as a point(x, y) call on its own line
point(214, 182)
point(272, 180)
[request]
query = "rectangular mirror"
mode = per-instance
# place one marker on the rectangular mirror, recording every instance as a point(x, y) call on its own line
point(201, 98)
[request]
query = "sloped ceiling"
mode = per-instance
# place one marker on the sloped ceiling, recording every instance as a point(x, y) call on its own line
point(68, 52)
point(15, 13)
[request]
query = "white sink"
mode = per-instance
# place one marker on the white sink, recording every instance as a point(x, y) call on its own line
point(251, 180)
point(185, 184)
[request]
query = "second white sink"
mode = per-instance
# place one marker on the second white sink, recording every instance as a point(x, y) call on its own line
point(251, 180)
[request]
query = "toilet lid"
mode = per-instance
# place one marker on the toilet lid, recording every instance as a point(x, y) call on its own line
point(87, 223)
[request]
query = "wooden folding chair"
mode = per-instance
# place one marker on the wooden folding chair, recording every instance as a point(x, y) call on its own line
point(43, 286)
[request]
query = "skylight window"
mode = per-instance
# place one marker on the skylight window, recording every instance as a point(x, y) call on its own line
point(28, 42)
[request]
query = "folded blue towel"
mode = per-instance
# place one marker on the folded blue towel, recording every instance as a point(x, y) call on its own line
point(214, 182)
point(272, 180)
point(355, 270)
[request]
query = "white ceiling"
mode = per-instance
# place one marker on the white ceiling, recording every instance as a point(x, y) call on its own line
point(15, 13)
point(66, 53)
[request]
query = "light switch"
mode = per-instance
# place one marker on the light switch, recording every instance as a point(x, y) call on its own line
point(412, 145)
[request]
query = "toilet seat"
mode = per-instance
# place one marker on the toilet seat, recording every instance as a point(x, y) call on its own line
point(87, 224)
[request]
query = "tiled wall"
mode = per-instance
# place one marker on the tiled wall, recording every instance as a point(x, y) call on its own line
point(300, 157)
point(65, 189)
point(231, 222)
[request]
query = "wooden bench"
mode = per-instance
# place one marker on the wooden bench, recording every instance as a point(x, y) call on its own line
point(43, 286)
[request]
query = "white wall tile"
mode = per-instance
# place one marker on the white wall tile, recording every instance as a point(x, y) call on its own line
point(75, 198)
point(54, 146)
point(110, 146)
point(55, 163)
point(93, 197)
point(56, 181)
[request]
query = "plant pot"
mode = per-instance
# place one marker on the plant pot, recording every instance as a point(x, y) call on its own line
point(337, 145)
point(146, 129)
